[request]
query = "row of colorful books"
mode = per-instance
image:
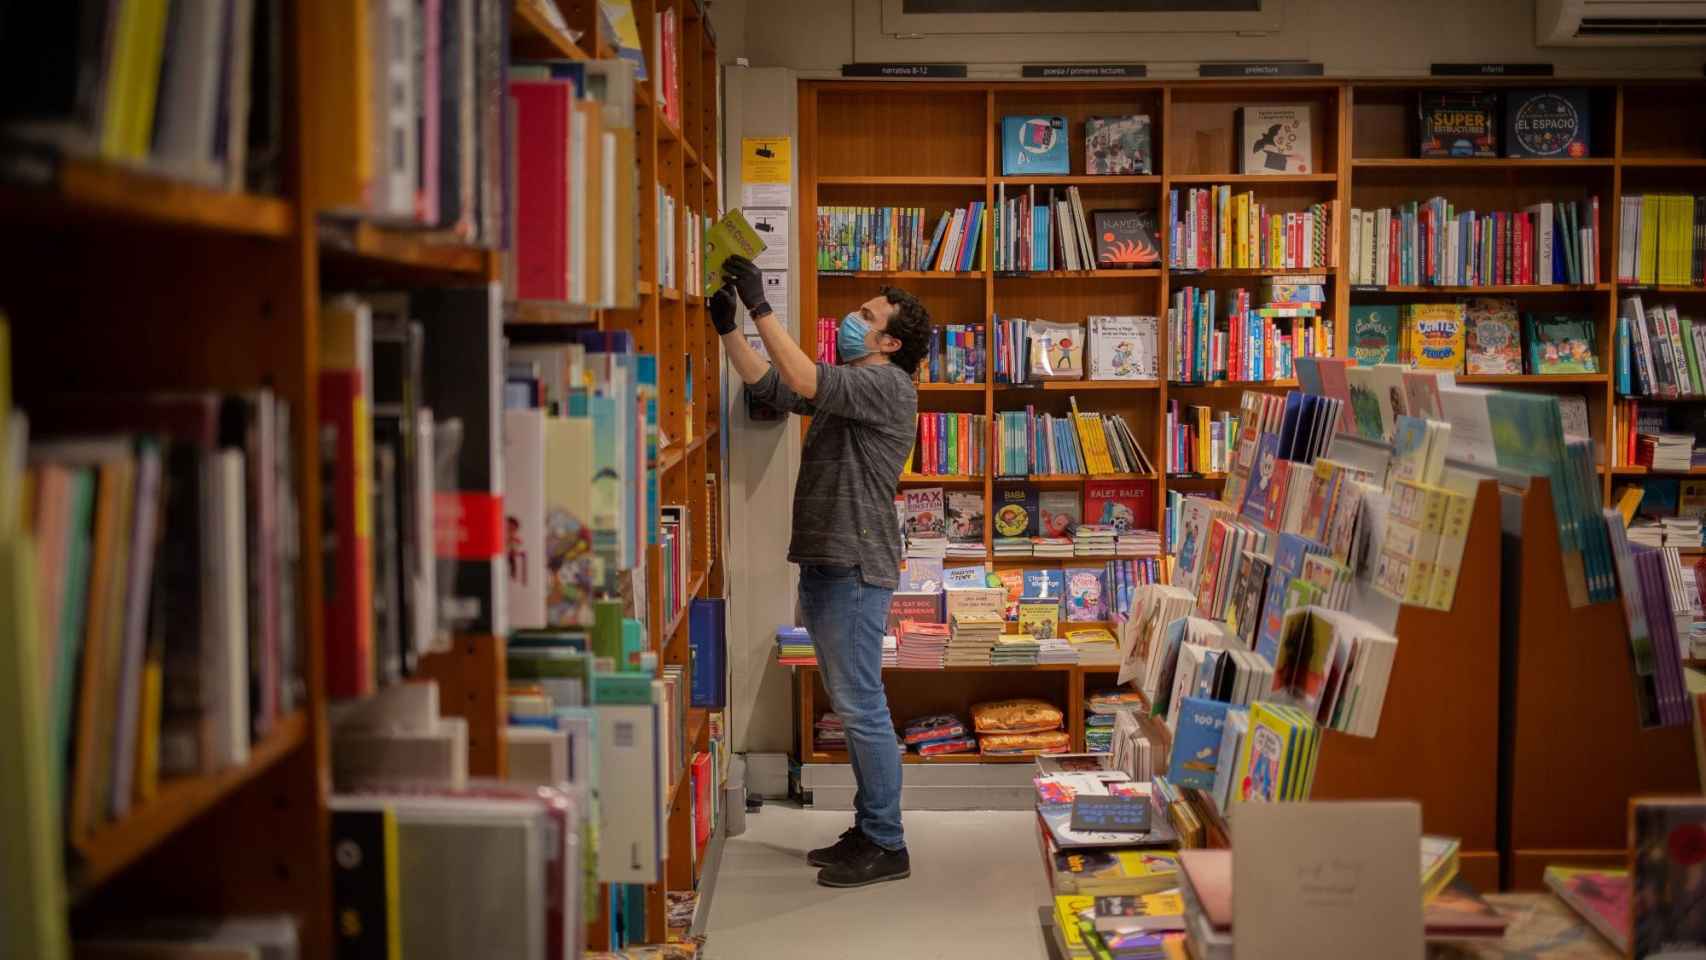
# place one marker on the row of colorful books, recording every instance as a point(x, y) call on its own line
point(1662, 239)
point(874, 238)
point(950, 444)
point(1119, 506)
point(1432, 243)
point(1037, 599)
point(1058, 233)
point(1484, 335)
point(1658, 350)
point(1249, 342)
point(1659, 436)
point(163, 531)
point(575, 216)
point(1104, 348)
point(1211, 228)
point(957, 355)
point(1091, 443)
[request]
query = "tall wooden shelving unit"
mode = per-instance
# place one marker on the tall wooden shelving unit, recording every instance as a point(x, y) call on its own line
point(936, 145)
point(135, 283)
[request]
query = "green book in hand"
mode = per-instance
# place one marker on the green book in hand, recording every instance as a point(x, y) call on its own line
point(725, 238)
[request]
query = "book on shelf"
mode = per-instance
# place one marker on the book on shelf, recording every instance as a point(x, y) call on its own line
point(1433, 335)
point(1658, 350)
point(1118, 146)
point(731, 235)
point(1034, 145)
point(949, 444)
point(1051, 231)
point(1434, 243)
point(666, 42)
point(1251, 342)
point(1662, 239)
point(1084, 442)
point(1458, 123)
point(1376, 336)
point(1274, 138)
point(1564, 343)
point(1121, 348)
point(146, 506)
point(956, 353)
point(1212, 228)
point(194, 97)
point(1492, 337)
point(1553, 123)
point(1601, 897)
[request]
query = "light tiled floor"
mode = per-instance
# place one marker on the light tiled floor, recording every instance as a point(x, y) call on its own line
point(974, 891)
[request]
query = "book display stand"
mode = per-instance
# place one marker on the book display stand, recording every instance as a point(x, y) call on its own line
point(1576, 753)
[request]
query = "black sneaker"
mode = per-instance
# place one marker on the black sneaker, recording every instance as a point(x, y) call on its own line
point(838, 851)
point(866, 865)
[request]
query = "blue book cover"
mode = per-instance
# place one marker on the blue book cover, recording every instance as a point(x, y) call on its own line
point(1196, 745)
point(1261, 478)
point(1044, 585)
point(957, 577)
point(1288, 421)
point(1205, 675)
point(1309, 375)
point(1034, 144)
point(1039, 237)
point(1307, 410)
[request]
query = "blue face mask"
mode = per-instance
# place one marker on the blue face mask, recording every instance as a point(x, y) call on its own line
point(850, 338)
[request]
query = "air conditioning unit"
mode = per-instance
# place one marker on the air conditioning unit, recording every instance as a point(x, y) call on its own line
point(1619, 23)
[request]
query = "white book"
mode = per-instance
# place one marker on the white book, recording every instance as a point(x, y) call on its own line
point(1276, 138)
point(1191, 656)
point(1383, 247)
point(630, 759)
point(396, 148)
point(1369, 250)
point(368, 758)
point(536, 756)
point(578, 290)
point(1471, 439)
point(225, 624)
point(607, 282)
point(423, 573)
point(188, 110)
point(950, 242)
point(524, 516)
point(1356, 247)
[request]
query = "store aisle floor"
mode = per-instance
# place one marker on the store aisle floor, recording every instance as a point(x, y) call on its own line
point(974, 891)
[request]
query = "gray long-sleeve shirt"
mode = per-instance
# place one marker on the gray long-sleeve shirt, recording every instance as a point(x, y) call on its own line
point(863, 423)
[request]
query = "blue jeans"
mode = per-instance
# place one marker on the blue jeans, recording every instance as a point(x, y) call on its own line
point(847, 618)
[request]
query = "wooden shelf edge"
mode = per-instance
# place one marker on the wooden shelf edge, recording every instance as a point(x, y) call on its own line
point(532, 36)
point(1533, 377)
point(114, 846)
point(840, 181)
point(1253, 178)
point(1470, 163)
point(93, 188)
point(415, 250)
point(1231, 384)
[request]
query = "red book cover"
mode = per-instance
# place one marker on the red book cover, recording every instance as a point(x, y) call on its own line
point(917, 607)
point(702, 787)
point(1210, 567)
point(1122, 504)
point(542, 109)
point(1395, 250)
point(349, 592)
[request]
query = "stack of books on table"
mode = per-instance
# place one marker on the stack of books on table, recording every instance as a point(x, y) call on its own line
point(828, 733)
point(1095, 646)
point(971, 639)
point(927, 545)
point(922, 645)
point(1102, 711)
point(1672, 451)
point(1013, 547)
point(1055, 650)
point(1666, 532)
point(964, 550)
point(1015, 649)
point(1051, 546)
point(794, 647)
point(891, 651)
point(1137, 543)
point(1093, 540)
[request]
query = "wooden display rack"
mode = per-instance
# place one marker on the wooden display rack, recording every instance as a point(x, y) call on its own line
point(205, 289)
point(1437, 740)
point(1576, 752)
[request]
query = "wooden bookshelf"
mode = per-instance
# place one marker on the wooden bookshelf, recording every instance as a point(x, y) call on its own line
point(94, 192)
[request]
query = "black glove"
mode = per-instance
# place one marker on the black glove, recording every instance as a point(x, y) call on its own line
point(748, 281)
point(721, 306)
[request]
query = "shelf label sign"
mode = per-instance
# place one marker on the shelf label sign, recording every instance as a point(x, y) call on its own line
point(1491, 69)
point(1084, 71)
point(906, 71)
point(1294, 68)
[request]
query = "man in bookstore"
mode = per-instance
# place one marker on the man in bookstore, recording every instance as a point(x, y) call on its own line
point(845, 537)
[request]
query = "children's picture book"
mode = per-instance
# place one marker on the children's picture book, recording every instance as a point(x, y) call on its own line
point(973, 577)
point(1459, 123)
point(1196, 746)
point(1125, 238)
point(921, 575)
point(725, 238)
point(1057, 350)
point(1274, 138)
point(1553, 123)
point(1435, 332)
point(1040, 618)
point(1059, 513)
point(1493, 338)
point(1261, 478)
point(1561, 343)
point(1011, 582)
point(1017, 514)
point(1044, 584)
point(1032, 144)
point(1601, 897)
point(965, 516)
point(1085, 590)
point(925, 514)
point(1122, 348)
point(1117, 146)
point(1374, 334)
point(1122, 504)
point(1667, 882)
point(1365, 404)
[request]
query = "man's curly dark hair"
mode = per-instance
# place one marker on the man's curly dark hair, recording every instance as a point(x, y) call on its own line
point(910, 324)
